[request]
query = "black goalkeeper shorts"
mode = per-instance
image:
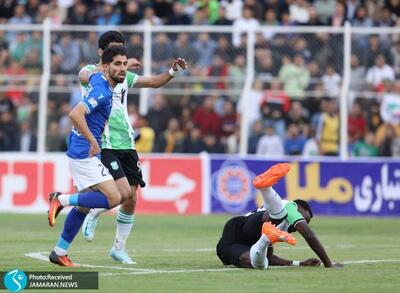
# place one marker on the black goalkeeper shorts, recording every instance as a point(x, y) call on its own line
point(230, 247)
point(229, 252)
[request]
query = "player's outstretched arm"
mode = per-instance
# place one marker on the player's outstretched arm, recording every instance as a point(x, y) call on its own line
point(156, 81)
point(275, 260)
point(314, 243)
point(279, 261)
point(77, 116)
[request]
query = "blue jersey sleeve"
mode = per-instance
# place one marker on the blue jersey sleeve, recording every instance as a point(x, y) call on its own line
point(97, 93)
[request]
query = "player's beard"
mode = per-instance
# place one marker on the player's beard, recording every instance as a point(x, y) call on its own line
point(118, 79)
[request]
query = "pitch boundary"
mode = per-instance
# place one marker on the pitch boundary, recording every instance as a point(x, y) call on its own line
point(42, 256)
point(212, 249)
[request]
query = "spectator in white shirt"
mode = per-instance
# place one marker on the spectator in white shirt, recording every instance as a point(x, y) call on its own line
point(331, 81)
point(270, 144)
point(233, 9)
point(150, 15)
point(244, 22)
point(253, 101)
point(310, 148)
point(379, 73)
point(390, 106)
point(299, 11)
point(357, 74)
point(396, 57)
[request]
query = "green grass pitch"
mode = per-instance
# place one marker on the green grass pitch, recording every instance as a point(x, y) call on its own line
point(177, 254)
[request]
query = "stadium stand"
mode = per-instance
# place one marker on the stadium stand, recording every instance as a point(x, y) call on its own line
point(296, 74)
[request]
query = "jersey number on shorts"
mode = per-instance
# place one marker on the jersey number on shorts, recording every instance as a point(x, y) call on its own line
point(103, 170)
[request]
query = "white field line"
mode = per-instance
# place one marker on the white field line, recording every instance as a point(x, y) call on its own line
point(133, 271)
point(43, 257)
point(135, 251)
point(212, 249)
point(172, 271)
point(363, 261)
point(183, 250)
point(339, 246)
point(366, 261)
point(188, 250)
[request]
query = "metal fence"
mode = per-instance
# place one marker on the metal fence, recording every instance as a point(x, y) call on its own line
point(307, 63)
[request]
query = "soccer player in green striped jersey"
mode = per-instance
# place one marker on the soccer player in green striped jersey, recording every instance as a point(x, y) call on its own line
point(118, 150)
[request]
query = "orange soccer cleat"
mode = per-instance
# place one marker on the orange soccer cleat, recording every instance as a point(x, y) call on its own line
point(63, 261)
point(55, 208)
point(276, 235)
point(271, 176)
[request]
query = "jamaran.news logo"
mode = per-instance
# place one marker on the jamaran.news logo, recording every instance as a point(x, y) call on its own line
point(15, 280)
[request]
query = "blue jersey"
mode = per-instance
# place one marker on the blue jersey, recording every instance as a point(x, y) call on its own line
point(98, 104)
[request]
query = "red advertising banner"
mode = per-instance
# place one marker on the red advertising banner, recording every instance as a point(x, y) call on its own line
point(173, 185)
point(26, 181)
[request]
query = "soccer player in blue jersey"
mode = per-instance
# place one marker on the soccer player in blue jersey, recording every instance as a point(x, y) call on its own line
point(118, 149)
point(89, 118)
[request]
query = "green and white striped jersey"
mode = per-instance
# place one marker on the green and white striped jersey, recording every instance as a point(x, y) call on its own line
point(118, 133)
point(292, 218)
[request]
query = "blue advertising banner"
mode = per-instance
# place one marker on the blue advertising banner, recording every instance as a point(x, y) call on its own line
point(332, 188)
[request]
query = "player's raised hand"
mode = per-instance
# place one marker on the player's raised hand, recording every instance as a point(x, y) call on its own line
point(134, 64)
point(179, 65)
point(94, 148)
point(311, 262)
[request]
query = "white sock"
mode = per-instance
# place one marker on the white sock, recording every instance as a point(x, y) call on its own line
point(258, 253)
point(273, 202)
point(124, 226)
point(95, 213)
point(60, 251)
point(64, 199)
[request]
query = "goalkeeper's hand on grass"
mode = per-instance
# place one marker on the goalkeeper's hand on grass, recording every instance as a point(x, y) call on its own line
point(311, 262)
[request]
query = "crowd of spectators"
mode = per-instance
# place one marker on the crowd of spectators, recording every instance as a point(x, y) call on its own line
point(293, 102)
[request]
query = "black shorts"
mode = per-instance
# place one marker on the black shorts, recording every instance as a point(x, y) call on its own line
point(229, 252)
point(230, 247)
point(123, 163)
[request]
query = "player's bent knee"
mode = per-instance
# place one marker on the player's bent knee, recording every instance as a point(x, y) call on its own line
point(125, 194)
point(123, 188)
point(132, 198)
point(129, 205)
point(110, 190)
point(113, 198)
